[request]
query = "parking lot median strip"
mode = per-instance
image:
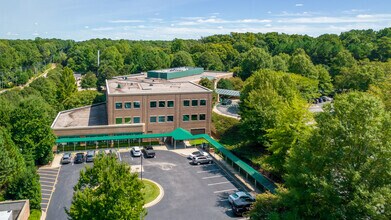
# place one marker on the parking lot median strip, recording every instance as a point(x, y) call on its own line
point(227, 190)
point(212, 184)
point(210, 177)
point(205, 171)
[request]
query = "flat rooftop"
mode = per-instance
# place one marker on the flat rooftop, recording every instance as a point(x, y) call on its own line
point(93, 115)
point(173, 70)
point(140, 84)
point(207, 74)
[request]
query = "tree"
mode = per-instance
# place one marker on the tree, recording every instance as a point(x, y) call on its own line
point(210, 61)
point(67, 84)
point(83, 98)
point(31, 130)
point(182, 58)
point(253, 60)
point(89, 80)
point(107, 190)
point(105, 72)
point(225, 84)
point(205, 82)
point(301, 63)
point(341, 170)
point(12, 163)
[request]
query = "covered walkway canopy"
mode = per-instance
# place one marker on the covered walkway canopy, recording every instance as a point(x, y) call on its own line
point(228, 92)
point(182, 134)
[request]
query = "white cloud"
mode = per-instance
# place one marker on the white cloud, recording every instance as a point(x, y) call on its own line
point(35, 34)
point(299, 5)
point(86, 27)
point(335, 20)
point(103, 29)
point(12, 34)
point(126, 21)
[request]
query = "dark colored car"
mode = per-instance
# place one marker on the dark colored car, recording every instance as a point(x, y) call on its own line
point(226, 102)
point(66, 158)
point(79, 158)
point(90, 156)
point(241, 206)
point(148, 151)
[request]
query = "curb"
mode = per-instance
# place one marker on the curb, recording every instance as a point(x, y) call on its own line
point(158, 198)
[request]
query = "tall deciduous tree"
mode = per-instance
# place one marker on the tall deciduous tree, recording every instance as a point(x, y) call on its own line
point(89, 80)
point(253, 60)
point(182, 58)
point(108, 190)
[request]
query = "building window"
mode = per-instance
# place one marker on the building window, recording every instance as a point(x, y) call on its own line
point(162, 104)
point(118, 105)
point(170, 104)
point(186, 102)
point(128, 120)
point(152, 104)
point(170, 118)
point(162, 118)
point(128, 105)
point(202, 117)
point(194, 102)
point(136, 104)
point(186, 117)
point(194, 117)
point(152, 119)
point(118, 121)
point(202, 102)
point(136, 120)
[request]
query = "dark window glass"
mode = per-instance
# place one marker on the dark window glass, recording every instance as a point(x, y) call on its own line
point(170, 104)
point(203, 102)
point(136, 104)
point(194, 102)
point(136, 120)
point(186, 103)
point(170, 118)
point(162, 104)
point(194, 117)
point(128, 120)
point(118, 105)
point(186, 117)
point(202, 117)
point(118, 120)
point(152, 119)
point(128, 104)
point(153, 104)
point(162, 118)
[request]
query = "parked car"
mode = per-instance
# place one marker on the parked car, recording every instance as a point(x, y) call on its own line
point(197, 154)
point(148, 151)
point(226, 102)
point(79, 158)
point(66, 158)
point(136, 152)
point(239, 195)
point(113, 152)
point(90, 156)
point(241, 206)
point(202, 160)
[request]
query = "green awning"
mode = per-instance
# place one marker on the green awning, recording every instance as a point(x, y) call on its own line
point(181, 134)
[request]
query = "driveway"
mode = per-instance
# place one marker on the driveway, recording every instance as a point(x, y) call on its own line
point(190, 192)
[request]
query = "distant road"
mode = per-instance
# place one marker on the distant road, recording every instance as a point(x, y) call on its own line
point(52, 66)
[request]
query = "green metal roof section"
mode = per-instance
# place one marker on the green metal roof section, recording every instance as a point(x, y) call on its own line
point(228, 92)
point(182, 134)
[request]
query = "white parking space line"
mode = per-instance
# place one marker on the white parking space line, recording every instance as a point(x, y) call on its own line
point(223, 200)
point(205, 171)
point(210, 177)
point(119, 156)
point(52, 182)
point(46, 185)
point(48, 194)
point(205, 165)
point(227, 190)
point(212, 184)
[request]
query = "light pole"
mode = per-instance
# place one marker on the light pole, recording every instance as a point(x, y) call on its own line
point(141, 170)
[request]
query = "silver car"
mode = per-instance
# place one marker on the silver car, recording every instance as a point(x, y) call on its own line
point(90, 156)
point(202, 160)
point(66, 158)
point(240, 195)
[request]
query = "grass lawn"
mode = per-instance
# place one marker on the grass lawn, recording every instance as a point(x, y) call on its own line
point(151, 191)
point(197, 142)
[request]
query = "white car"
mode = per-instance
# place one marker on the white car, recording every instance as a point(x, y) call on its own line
point(240, 195)
point(197, 154)
point(136, 151)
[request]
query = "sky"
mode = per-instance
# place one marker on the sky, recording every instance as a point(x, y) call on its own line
point(186, 19)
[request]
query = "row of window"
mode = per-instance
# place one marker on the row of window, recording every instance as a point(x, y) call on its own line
point(127, 105)
point(161, 104)
point(160, 119)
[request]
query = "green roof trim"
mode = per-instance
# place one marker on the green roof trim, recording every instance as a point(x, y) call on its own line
point(182, 134)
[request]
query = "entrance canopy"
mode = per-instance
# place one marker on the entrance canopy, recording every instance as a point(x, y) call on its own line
point(228, 92)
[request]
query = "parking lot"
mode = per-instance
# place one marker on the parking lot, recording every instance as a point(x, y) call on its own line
point(190, 191)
